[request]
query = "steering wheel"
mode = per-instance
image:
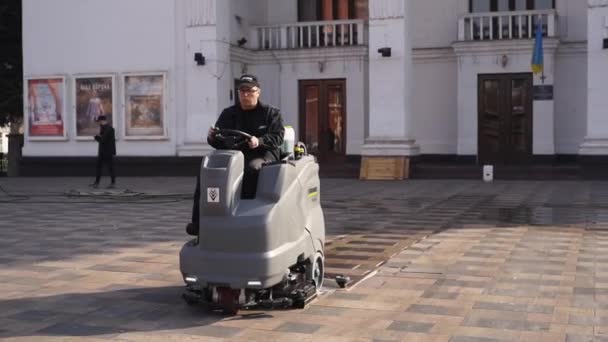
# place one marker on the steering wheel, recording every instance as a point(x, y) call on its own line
point(231, 139)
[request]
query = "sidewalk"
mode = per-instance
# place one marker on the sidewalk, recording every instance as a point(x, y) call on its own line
point(504, 261)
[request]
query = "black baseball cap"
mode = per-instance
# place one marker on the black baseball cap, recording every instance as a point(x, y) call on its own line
point(101, 117)
point(248, 81)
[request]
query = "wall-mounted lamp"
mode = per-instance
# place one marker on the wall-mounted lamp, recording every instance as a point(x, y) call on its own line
point(385, 51)
point(605, 43)
point(199, 58)
point(504, 61)
point(242, 41)
point(321, 66)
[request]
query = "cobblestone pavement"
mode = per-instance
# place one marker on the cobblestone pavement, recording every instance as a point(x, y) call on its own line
point(513, 261)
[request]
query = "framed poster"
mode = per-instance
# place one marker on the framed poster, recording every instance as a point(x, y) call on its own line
point(94, 95)
point(145, 106)
point(45, 108)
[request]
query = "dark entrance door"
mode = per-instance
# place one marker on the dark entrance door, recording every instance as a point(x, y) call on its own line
point(505, 118)
point(323, 118)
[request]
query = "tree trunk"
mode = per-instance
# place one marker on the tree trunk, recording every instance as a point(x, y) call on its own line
point(15, 143)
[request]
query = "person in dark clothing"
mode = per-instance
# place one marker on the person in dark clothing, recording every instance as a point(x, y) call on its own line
point(263, 122)
point(106, 151)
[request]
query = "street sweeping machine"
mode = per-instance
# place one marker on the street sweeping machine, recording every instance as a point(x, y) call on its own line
point(263, 252)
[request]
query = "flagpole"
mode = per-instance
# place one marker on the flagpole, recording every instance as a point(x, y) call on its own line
point(537, 52)
point(542, 74)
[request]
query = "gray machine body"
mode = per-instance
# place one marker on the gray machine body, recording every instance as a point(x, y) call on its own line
point(251, 243)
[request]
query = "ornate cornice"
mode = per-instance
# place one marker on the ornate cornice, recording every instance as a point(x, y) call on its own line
point(598, 3)
point(515, 46)
point(386, 9)
point(572, 48)
point(200, 12)
point(358, 53)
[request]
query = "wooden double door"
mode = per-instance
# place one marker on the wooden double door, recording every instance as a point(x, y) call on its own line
point(322, 119)
point(505, 118)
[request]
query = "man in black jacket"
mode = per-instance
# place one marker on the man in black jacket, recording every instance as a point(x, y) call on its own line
point(263, 122)
point(106, 150)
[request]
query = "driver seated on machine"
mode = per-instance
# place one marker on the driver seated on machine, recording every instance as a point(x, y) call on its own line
point(263, 122)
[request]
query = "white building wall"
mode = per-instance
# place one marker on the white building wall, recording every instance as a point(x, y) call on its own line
point(280, 72)
point(598, 71)
point(355, 106)
point(244, 16)
point(282, 11)
point(68, 37)
point(435, 22)
point(570, 89)
point(596, 137)
point(570, 98)
point(486, 58)
point(434, 101)
point(117, 36)
point(572, 20)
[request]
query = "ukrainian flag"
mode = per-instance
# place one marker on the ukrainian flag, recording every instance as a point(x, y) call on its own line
point(537, 55)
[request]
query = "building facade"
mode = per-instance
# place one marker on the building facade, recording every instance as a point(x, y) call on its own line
point(372, 78)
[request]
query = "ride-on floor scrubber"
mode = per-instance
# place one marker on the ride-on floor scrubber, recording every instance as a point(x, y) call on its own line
point(264, 252)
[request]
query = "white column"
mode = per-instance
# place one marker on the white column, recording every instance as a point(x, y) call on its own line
point(390, 111)
point(596, 140)
point(206, 88)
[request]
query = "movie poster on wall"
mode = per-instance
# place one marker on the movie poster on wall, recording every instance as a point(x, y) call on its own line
point(94, 96)
point(45, 98)
point(144, 106)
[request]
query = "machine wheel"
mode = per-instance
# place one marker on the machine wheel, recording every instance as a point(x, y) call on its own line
point(189, 299)
point(318, 270)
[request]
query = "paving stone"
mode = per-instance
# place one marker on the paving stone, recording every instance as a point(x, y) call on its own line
point(514, 307)
point(434, 293)
point(579, 338)
point(324, 310)
point(348, 296)
point(506, 324)
point(75, 329)
point(301, 328)
point(472, 339)
point(436, 310)
point(411, 326)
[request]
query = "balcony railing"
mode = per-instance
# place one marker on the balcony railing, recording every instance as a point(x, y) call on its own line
point(506, 25)
point(310, 34)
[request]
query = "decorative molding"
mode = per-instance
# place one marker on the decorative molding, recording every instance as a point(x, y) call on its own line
point(572, 48)
point(420, 55)
point(241, 55)
point(510, 47)
point(433, 55)
point(594, 146)
point(386, 9)
point(358, 53)
point(389, 146)
point(598, 3)
point(200, 13)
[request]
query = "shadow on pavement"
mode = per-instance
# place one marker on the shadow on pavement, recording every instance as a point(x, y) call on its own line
point(114, 312)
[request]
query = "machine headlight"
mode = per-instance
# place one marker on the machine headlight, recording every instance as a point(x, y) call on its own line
point(191, 279)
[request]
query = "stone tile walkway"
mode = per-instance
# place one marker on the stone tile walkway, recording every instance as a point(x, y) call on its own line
point(505, 261)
